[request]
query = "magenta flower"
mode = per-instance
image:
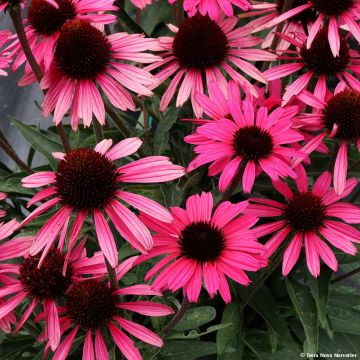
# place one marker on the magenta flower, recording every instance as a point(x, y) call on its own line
point(247, 138)
point(318, 63)
point(5, 57)
point(337, 116)
point(83, 58)
point(202, 244)
point(43, 28)
point(309, 216)
point(203, 47)
point(92, 306)
point(270, 12)
point(337, 14)
point(88, 182)
point(43, 285)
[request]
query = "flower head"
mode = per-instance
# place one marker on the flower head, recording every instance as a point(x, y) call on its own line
point(336, 116)
point(204, 244)
point(44, 285)
point(309, 216)
point(44, 24)
point(243, 136)
point(201, 48)
point(92, 306)
point(87, 182)
point(317, 62)
point(85, 57)
point(343, 14)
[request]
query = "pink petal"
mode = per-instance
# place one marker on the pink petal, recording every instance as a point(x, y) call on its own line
point(340, 169)
point(292, 253)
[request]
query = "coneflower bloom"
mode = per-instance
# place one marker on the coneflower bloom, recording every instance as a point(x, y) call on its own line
point(85, 57)
point(44, 285)
point(316, 63)
point(5, 57)
point(5, 3)
point(269, 12)
point(44, 24)
point(248, 139)
point(310, 217)
point(337, 116)
point(88, 182)
point(336, 13)
point(92, 306)
point(203, 48)
point(202, 244)
point(214, 8)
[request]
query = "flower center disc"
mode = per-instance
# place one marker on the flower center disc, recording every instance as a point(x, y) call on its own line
point(344, 110)
point(48, 281)
point(90, 304)
point(82, 51)
point(253, 143)
point(201, 241)
point(200, 43)
point(304, 17)
point(305, 211)
point(333, 7)
point(85, 179)
point(319, 57)
point(46, 19)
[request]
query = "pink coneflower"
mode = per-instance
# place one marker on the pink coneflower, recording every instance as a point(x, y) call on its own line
point(44, 24)
point(202, 244)
point(83, 58)
point(5, 57)
point(248, 138)
point(88, 182)
point(214, 8)
point(317, 63)
point(271, 11)
point(201, 48)
point(310, 216)
point(335, 13)
point(43, 285)
point(92, 306)
point(337, 116)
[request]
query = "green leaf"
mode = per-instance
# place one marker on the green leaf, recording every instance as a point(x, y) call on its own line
point(155, 14)
point(226, 336)
point(188, 350)
point(196, 317)
point(320, 290)
point(193, 334)
point(41, 140)
point(265, 305)
point(343, 313)
point(161, 137)
point(12, 184)
point(305, 308)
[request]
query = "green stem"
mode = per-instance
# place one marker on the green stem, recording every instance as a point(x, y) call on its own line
point(98, 131)
point(178, 316)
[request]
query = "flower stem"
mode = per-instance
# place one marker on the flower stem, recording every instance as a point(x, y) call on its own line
point(98, 132)
point(346, 276)
point(8, 150)
point(16, 17)
point(111, 275)
point(178, 316)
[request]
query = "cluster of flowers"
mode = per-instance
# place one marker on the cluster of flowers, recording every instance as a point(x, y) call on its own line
point(244, 127)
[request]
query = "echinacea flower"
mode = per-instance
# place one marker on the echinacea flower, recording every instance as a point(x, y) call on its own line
point(85, 57)
point(316, 62)
point(336, 116)
point(309, 217)
point(5, 57)
point(92, 306)
point(248, 138)
point(343, 14)
point(202, 244)
point(44, 285)
point(87, 182)
point(43, 28)
point(267, 12)
point(201, 49)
